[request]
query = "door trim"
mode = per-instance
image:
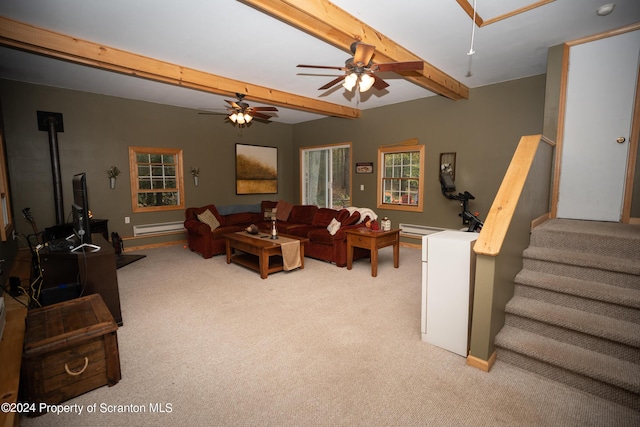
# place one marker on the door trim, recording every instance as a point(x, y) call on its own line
point(633, 155)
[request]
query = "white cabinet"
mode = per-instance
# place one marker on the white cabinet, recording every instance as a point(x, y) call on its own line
point(448, 273)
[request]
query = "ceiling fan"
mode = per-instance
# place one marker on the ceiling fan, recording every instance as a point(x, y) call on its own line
point(240, 113)
point(360, 70)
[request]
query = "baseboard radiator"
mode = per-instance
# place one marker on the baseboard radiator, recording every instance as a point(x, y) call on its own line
point(418, 230)
point(158, 228)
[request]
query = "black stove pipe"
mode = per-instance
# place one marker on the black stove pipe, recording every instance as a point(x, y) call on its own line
point(52, 123)
point(55, 169)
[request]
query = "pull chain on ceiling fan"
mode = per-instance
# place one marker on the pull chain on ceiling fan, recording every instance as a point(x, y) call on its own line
point(360, 70)
point(473, 33)
point(473, 29)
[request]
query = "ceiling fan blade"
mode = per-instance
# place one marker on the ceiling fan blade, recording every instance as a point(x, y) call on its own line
point(328, 67)
point(233, 104)
point(378, 82)
point(332, 83)
point(363, 54)
point(399, 66)
point(212, 112)
point(264, 109)
point(261, 116)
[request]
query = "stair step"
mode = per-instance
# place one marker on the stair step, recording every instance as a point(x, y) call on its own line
point(582, 288)
point(595, 373)
point(606, 300)
point(608, 270)
point(529, 322)
point(596, 237)
point(615, 330)
point(575, 313)
point(583, 259)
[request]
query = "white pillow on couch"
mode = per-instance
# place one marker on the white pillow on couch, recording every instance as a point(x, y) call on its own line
point(333, 226)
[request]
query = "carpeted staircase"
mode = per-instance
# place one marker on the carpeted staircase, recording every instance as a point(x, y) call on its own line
point(575, 313)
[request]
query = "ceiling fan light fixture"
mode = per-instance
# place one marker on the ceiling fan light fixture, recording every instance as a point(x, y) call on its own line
point(248, 118)
point(606, 9)
point(233, 117)
point(350, 81)
point(366, 81)
point(240, 119)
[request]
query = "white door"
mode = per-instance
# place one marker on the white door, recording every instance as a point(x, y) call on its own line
point(599, 109)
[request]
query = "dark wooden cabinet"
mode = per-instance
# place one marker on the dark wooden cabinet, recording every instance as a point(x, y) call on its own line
point(94, 272)
point(62, 231)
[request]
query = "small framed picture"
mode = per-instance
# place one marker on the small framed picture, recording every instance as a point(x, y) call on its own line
point(364, 167)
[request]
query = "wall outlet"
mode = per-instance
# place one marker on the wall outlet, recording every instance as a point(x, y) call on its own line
point(127, 220)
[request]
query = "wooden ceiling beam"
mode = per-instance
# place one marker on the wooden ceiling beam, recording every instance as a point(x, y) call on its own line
point(40, 41)
point(329, 23)
point(466, 6)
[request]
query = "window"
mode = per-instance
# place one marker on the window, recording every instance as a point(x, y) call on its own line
point(156, 179)
point(400, 178)
point(326, 175)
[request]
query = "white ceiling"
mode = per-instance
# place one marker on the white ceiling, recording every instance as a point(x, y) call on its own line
point(230, 39)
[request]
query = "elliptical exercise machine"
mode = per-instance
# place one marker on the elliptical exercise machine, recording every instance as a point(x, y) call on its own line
point(471, 220)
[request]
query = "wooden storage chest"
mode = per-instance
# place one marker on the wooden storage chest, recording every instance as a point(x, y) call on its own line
point(70, 348)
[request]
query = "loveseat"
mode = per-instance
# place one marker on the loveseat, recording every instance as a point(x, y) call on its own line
point(324, 227)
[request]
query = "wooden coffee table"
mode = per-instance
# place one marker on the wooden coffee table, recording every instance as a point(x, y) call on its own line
point(261, 253)
point(373, 240)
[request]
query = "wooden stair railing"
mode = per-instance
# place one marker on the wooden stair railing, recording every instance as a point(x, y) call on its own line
point(494, 274)
point(504, 205)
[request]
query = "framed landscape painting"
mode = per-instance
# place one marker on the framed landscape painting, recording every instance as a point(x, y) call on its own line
point(256, 169)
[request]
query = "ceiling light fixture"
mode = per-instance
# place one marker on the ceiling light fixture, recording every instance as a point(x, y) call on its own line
point(240, 118)
point(363, 80)
point(350, 81)
point(366, 81)
point(606, 9)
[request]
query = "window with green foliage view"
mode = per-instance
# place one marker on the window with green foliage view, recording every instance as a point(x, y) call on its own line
point(156, 179)
point(326, 175)
point(400, 178)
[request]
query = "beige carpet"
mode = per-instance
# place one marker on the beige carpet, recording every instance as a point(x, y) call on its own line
point(215, 345)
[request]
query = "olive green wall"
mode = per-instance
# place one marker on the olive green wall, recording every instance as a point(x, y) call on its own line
point(97, 133)
point(552, 93)
point(483, 130)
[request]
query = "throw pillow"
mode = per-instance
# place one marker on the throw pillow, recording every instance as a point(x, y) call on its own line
point(283, 210)
point(354, 218)
point(333, 226)
point(324, 216)
point(210, 219)
point(343, 215)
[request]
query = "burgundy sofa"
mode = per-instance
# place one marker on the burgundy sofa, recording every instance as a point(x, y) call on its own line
point(297, 220)
point(207, 242)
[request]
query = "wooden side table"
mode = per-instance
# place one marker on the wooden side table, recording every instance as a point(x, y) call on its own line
point(373, 240)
